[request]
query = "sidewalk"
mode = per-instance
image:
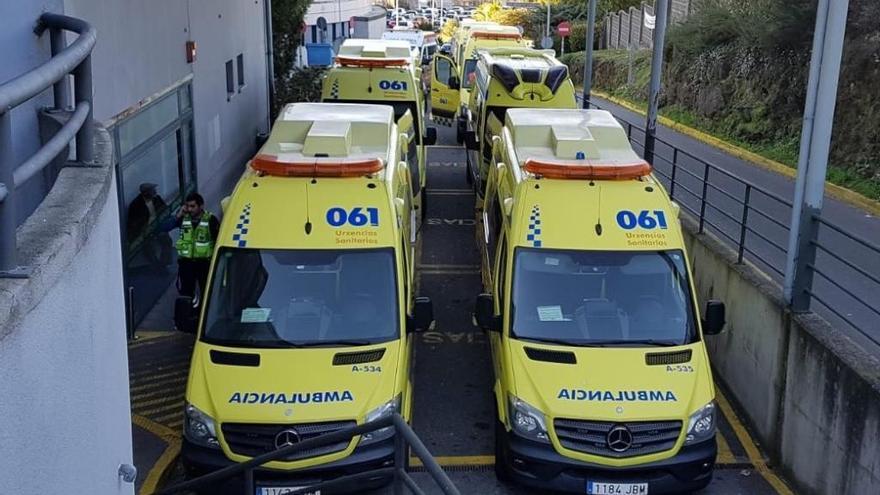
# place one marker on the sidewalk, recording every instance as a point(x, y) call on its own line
point(158, 367)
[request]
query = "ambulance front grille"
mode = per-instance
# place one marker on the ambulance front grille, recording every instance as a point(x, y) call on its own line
point(256, 439)
point(591, 437)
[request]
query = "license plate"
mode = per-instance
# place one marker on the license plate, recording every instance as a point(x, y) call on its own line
point(594, 488)
point(283, 490)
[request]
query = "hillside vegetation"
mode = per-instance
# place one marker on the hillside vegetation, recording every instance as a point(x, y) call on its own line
point(738, 69)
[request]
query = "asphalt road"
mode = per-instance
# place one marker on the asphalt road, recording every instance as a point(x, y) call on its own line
point(770, 219)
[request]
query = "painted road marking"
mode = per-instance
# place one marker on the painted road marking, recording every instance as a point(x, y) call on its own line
point(449, 192)
point(752, 451)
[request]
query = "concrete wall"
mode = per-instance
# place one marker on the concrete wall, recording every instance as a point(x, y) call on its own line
point(811, 395)
point(64, 376)
point(20, 51)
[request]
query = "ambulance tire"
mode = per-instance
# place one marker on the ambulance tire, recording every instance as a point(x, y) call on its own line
point(501, 466)
point(424, 197)
point(460, 129)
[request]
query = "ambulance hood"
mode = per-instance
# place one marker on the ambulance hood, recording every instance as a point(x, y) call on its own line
point(292, 385)
point(611, 383)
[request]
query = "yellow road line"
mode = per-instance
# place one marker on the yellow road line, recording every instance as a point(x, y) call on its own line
point(459, 460)
point(450, 272)
point(176, 405)
point(838, 192)
point(161, 469)
point(153, 427)
point(725, 455)
point(150, 395)
point(162, 371)
point(752, 451)
point(147, 403)
point(446, 146)
point(152, 385)
point(175, 416)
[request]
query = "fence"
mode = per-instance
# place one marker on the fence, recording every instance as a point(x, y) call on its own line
point(626, 28)
point(755, 220)
point(76, 60)
point(404, 439)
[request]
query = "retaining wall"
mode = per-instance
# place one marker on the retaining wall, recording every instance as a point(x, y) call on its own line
point(811, 395)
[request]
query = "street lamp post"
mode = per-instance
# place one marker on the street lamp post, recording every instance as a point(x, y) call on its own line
point(588, 55)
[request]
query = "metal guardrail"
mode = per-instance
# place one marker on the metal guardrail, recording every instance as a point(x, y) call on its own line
point(755, 222)
point(75, 60)
point(404, 438)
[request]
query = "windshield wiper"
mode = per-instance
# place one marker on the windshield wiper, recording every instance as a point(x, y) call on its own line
point(637, 342)
point(544, 340)
point(333, 343)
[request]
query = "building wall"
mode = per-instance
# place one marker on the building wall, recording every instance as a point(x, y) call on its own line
point(66, 424)
point(141, 52)
point(21, 50)
point(336, 11)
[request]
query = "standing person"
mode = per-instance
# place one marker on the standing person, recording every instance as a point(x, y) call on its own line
point(142, 212)
point(198, 233)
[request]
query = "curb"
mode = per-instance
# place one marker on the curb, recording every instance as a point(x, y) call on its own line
point(160, 471)
point(837, 192)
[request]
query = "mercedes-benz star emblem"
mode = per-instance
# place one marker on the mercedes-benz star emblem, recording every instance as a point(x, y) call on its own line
point(619, 438)
point(285, 438)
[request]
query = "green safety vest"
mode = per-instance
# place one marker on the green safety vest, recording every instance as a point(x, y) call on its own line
point(195, 242)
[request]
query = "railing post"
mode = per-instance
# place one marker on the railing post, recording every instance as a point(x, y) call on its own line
point(82, 91)
point(803, 275)
point(61, 89)
point(745, 219)
point(7, 206)
point(399, 460)
point(703, 196)
point(674, 169)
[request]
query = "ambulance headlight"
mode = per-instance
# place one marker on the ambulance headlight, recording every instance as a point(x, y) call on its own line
point(386, 409)
point(701, 426)
point(199, 428)
point(527, 421)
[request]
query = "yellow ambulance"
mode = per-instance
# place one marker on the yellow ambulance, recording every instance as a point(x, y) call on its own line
point(510, 78)
point(452, 77)
point(387, 72)
point(307, 325)
point(602, 380)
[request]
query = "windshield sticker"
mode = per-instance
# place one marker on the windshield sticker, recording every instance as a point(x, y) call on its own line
point(291, 398)
point(255, 315)
point(533, 234)
point(241, 228)
point(551, 313)
point(617, 396)
point(551, 261)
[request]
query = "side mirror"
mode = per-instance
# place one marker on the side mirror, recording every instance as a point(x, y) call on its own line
point(186, 318)
point(454, 83)
point(484, 310)
point(422, 317)
point(430, 137)
point(470, 141)
point(714, 322)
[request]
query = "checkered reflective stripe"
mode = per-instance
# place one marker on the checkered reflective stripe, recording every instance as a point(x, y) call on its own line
point(334, 89)
point(241, 228)
point(444, 121)
point(534, 231)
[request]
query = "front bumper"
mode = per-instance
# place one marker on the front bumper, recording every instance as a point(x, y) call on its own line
point(539, 466)
point(201, 460)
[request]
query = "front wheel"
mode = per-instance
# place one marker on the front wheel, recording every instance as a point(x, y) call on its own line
point(460, 129)
point(502, 471)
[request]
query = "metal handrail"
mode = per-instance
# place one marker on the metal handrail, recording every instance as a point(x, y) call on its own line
point(404, 438)
point(704, 175)
point(73, 59)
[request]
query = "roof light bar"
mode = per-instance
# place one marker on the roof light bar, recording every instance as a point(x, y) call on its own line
point(315, 167)
point(371, 62)
point(491, 35)
point(598, 171)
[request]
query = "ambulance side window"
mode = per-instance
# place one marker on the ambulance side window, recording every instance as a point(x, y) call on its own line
point(502, 273)
point(412, 161)
point(442, 70)
point(493, 219)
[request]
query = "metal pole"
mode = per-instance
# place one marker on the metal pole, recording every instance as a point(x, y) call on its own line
point(270, 62)
point(7, 206)
point(588, 54)
point(399, 460)
point(82, 91)
point(61, 89)
point(815, 145)
point(660, 9)
point(548, 19)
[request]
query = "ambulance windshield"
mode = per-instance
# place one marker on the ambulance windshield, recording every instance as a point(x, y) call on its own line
point(299, 298)
point(602, 298)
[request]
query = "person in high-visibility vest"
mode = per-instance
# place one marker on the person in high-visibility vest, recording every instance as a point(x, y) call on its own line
point(195, 245)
